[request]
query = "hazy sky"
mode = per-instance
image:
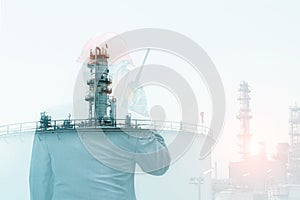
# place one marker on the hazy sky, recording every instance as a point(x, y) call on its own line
point(257, 41)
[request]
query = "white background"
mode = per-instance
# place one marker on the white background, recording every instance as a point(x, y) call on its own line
point(257, 41)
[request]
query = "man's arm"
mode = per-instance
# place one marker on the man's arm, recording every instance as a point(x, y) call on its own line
point(152, 155)
point(41, 176)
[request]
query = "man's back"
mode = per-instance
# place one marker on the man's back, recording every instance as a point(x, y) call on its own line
point(62, 167)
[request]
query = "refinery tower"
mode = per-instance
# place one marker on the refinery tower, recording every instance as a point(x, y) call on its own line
point(255, 176)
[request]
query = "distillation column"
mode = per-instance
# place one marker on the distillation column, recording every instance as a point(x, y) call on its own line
point(99, 83)
point(244, 136)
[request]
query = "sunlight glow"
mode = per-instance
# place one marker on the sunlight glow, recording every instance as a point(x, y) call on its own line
point(254, 148)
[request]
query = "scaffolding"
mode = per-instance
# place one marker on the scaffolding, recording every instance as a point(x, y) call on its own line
point(294, 155)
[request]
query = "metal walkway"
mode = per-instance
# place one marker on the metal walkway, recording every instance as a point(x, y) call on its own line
point(31, 127)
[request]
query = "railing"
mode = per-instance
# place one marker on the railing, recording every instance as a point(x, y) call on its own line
point(21, 128)
point(15, 129)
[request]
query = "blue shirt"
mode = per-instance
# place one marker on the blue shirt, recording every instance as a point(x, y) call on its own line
point(62, 168)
